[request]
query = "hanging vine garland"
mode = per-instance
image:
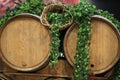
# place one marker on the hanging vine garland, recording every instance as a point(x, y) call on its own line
point(55, 44)
point(82, 15)
point(58, 20)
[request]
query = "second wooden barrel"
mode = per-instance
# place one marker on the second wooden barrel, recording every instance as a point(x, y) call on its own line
point(24, 42)
point(104, 48)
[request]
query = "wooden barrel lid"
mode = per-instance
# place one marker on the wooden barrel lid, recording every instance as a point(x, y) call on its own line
point(104, 44)
point(24, 42)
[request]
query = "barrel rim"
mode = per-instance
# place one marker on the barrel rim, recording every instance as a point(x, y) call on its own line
point(35, 67)
point(70, 61)
point(106, 20)
point(117, 33)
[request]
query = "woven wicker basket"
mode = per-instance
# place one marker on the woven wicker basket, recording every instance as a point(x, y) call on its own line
point(54, 8)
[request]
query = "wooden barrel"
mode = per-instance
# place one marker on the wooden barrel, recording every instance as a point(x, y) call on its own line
point(104, 44)
point(24, 42)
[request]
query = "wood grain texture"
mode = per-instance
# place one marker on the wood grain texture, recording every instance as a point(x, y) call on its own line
point(62, 71)
point(70, 43)
point(24, 43)
point(3, 77)
point(23, 76)
point(104, 45)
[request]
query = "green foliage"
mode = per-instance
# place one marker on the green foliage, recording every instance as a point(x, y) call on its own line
point(56, 19)
point(110, 17)
point(55, 44)
point(82, 13)
point(35, 7)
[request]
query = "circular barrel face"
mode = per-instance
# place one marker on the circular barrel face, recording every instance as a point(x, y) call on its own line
point(24, 42)
point(104, 44)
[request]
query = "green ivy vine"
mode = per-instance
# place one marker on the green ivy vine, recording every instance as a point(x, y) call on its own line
point(55, 44)
point(55, 41)
point(33, 7)
point(56, 20)
point(81, 13)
